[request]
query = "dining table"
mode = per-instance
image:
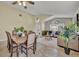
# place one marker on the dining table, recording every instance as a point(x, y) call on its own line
point(18, 40)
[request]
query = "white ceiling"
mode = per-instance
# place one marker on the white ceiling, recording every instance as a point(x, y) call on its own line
point(48, 7)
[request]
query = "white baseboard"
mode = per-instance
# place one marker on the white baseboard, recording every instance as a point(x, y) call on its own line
point(3, 42)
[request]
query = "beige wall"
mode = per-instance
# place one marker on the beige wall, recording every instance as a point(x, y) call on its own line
point(9, 19)
point(42, 18)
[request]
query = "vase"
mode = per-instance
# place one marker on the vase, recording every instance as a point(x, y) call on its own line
point(19, 34)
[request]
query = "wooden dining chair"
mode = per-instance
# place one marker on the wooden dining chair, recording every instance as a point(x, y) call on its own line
point(30, 43)
point(24, 45)
point(10, 43)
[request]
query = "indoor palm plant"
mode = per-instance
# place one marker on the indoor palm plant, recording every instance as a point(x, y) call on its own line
point(67, 35)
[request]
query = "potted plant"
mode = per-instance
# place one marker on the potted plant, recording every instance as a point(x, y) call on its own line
point(19, 31)
point(67, 35)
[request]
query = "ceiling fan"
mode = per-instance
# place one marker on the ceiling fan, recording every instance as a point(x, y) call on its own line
point(23, 3)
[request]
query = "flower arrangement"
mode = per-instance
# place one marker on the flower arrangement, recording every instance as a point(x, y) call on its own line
point(20, 31)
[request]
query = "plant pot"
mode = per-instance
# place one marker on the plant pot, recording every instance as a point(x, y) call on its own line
point(67, 51)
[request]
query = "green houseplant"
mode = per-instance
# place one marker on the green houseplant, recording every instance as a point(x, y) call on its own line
point(20, 30)
point(67, 36)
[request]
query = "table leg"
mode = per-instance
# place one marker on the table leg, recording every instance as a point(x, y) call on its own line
point(17, 51)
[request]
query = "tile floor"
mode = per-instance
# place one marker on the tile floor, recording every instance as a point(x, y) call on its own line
point(45, 48)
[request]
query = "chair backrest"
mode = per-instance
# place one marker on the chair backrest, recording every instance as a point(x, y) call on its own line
point(31, 38)
point(9, 37)
point(13, 32)
point(26, 35)
point(25, 32)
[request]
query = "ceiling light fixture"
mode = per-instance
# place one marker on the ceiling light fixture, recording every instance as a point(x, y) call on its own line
point(19, 2)
point(23, 3)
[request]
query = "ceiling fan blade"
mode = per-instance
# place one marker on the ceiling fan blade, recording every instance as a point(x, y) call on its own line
point(31, 2)
point(14, 2)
